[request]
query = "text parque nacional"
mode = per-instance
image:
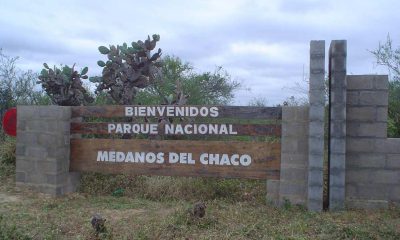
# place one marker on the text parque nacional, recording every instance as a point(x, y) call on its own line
point(176, 129)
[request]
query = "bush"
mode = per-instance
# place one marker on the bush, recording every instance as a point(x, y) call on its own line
point(7, 151)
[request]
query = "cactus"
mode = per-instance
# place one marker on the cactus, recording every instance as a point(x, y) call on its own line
point(128, 69)
point(64, 86)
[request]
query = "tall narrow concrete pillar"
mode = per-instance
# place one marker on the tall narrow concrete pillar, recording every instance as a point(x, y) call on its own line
point(337, 141)
point(316, 126)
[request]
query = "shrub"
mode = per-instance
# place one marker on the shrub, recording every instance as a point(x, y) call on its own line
point(7, 151)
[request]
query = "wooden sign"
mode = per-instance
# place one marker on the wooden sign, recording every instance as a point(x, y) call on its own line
point(228, 159)
point(177, 158)
point(179, 111)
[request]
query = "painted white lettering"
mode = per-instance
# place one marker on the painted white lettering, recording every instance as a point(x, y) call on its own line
point(212, 128)
point(129, 157)
point(203, 112)
point(245, 160)
point(194, 111)
point(102, 156)
point(120, 157)
point(151, 111)
point(135, 128)
point(127, 128)
point(111, 127)
point(150, 157)
point(173, 157)
point(190, 159)
point(169, 128)
point(153, 128)
point(128, 111)
point(170, 111)
point(111, 156)
point(223, 129)
point(142, 111)
point(231, 131)
point(180, 111)
point(225, 160)
point(214, 112)
point(140, 156)
point(118, 129)
point(178, 129)
point(144, 128)
point(183, 158)
point(204, 158)
point(188, 128)
point(160, 157)
point(161, 111)
point(234, 159)
point(203, 129)
point(213, 159)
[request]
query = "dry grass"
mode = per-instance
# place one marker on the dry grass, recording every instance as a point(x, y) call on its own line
point(157, 208)
point(29, 215)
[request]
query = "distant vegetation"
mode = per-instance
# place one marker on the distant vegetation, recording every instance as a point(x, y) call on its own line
point(388, 56)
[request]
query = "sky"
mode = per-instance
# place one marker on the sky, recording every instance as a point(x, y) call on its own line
point(264, 45)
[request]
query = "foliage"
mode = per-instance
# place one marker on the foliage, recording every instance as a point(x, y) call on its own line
point(64, 85)
point(128, 69)
point(7, 151)
point(181, 84)
point(17, 86)
point(258, 102)
point(292, 101)
point(389, 57)
point(394, 109)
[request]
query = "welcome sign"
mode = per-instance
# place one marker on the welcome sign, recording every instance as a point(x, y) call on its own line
point(231, 159)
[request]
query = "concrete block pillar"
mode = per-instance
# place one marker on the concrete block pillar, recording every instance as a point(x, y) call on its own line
point(43, 149)
point(294, 155)
point(292, 185)
point(337, 141)
point(316, 126)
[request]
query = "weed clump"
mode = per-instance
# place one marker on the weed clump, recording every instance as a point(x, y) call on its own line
point(162, 188)
point(7, 151)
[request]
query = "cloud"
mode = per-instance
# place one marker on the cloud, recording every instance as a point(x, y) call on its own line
point(264, 44)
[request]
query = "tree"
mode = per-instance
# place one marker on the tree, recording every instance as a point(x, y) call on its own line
point(182, 85)
point(17, 86)
point(389, 57)
point(258, 102)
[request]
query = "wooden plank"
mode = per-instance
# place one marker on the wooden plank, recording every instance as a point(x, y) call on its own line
point(239, 129)
point(265, 158)
point(240, 112)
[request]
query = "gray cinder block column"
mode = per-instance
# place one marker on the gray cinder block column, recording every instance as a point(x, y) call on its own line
point(294, 155)
point(316, 126)
point(43, 149)
point(337, 141)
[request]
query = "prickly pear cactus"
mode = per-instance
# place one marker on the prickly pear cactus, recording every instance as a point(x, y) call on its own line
point(128, 69)
point(64, 85)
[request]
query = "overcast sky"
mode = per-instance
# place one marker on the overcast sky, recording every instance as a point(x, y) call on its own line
point(262, 44)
